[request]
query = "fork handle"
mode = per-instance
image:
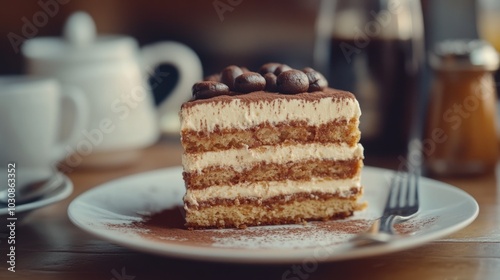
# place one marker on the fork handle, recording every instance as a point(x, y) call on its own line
point(387, 224)
point(381, 231)
point(374, 235)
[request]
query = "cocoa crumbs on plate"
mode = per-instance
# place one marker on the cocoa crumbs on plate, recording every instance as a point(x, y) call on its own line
point(167, 226)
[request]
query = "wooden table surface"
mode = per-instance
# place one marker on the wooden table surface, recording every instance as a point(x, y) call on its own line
point(49, 246)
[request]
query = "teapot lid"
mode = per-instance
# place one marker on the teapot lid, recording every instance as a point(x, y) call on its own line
point(80, 43)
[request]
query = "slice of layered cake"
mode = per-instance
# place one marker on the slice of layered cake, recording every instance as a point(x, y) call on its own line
point(272, 147)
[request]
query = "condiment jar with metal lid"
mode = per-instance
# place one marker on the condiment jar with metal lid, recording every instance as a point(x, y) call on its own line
point(460, 135)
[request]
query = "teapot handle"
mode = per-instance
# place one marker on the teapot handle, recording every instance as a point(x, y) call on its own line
point(190, 71)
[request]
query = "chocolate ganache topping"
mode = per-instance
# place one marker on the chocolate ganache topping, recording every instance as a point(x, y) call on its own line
point(271, 77)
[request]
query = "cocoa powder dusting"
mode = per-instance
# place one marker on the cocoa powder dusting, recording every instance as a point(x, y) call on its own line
point(167, 226)
point(413, 226)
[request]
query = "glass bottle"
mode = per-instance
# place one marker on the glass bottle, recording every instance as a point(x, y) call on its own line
point(375, 49)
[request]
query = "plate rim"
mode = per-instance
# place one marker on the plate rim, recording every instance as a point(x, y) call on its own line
point(66, 189)
point(234, 255)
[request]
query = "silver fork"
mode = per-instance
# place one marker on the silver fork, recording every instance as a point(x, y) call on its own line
point(402, 204)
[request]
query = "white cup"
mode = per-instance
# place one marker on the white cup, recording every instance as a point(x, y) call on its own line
point(30, 119)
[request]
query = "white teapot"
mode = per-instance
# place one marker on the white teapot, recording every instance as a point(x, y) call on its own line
point(112, 72)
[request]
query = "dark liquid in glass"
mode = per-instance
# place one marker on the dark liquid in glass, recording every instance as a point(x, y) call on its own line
point(382, 75)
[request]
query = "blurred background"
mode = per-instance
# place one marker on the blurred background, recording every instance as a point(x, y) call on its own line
point(250, 33)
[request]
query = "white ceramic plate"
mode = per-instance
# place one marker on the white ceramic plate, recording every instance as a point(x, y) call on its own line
point(54, 196)
point(115, 212)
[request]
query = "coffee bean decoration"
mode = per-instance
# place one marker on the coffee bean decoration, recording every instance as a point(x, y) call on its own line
point(229, 74)
point(282, 68)
point(209, 89)
point(249, 82)
point(271, 84)
point(213, 77)
point(292, 81)
point(272, 77)
point(317, 81)
point(269, 68)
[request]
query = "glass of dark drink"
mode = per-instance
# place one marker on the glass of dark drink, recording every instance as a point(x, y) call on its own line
point(374, 49)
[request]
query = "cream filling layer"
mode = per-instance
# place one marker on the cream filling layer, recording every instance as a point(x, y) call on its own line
point(266, 190)
point(238, 115)
point(241, 159)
